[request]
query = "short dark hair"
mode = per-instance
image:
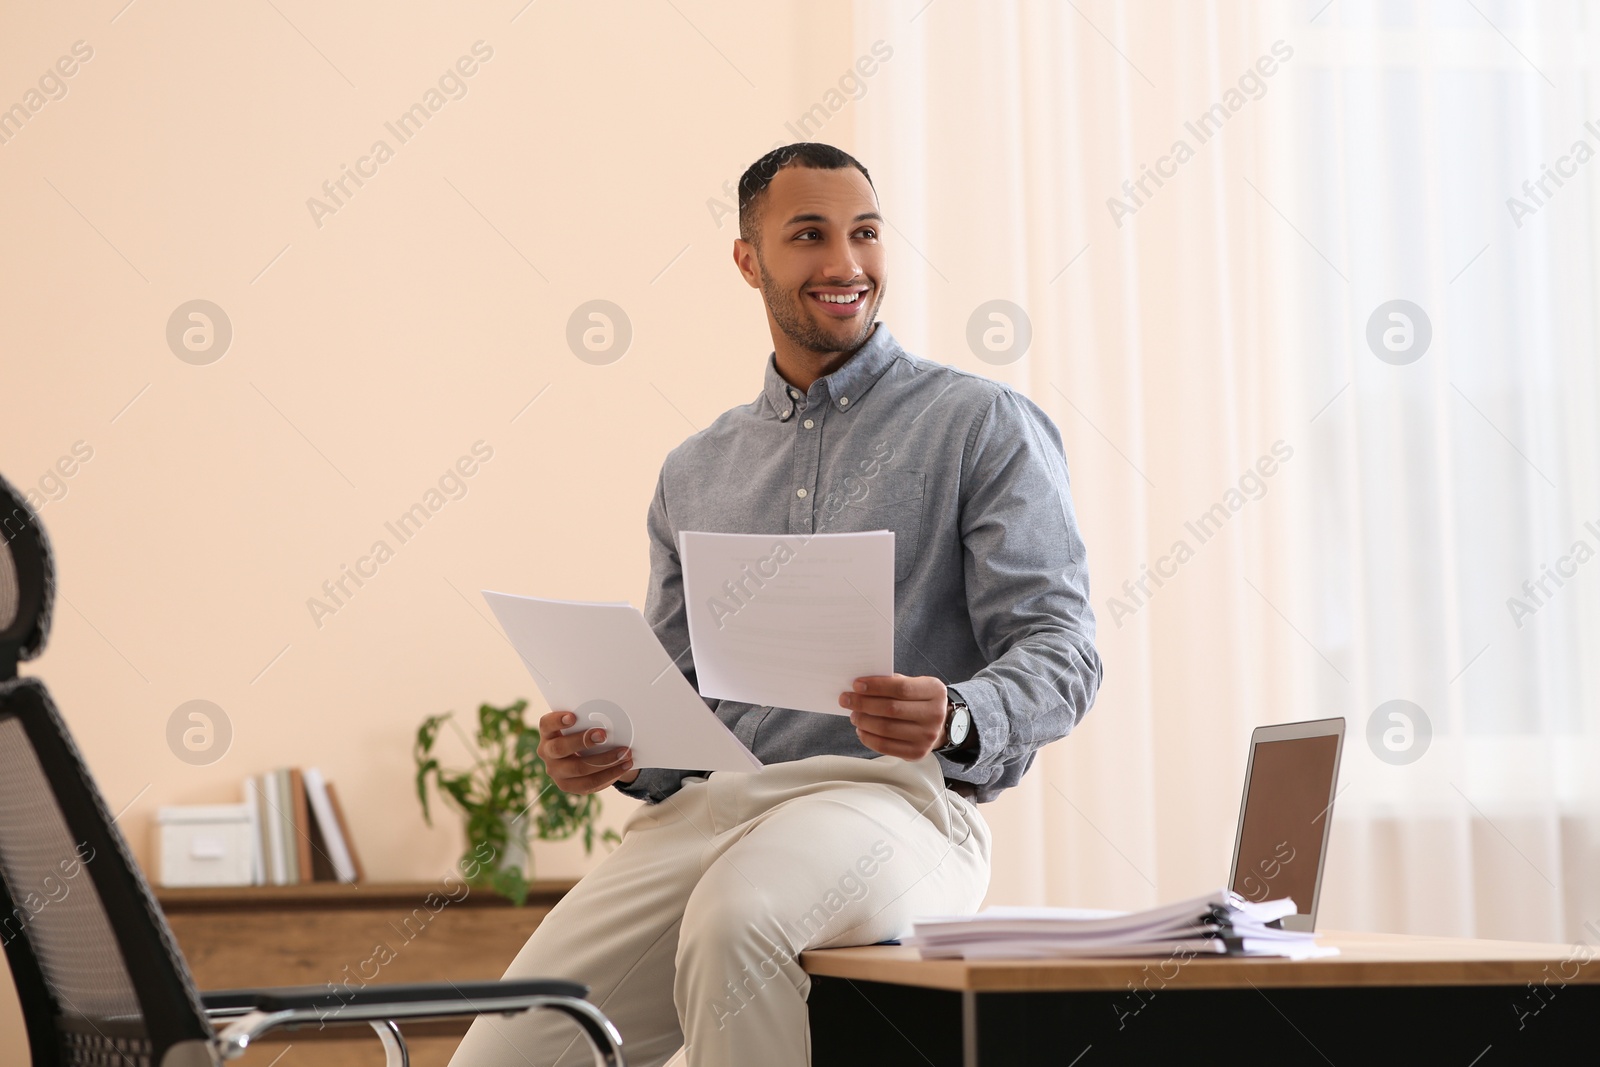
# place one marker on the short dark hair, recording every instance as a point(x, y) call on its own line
point(753, 186)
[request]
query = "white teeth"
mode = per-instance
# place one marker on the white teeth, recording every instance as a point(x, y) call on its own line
point(833, 299)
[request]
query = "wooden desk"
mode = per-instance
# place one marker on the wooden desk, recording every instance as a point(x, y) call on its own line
point(1387, 998)
point(374, 933)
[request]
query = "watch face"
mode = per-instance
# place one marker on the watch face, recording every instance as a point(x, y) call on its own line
point(960, 723)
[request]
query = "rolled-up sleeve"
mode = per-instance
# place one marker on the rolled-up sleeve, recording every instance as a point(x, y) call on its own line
point(1027, 586)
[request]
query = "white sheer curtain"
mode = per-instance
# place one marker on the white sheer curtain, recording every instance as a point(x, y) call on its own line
point(1444, 484)
point(1200, 336)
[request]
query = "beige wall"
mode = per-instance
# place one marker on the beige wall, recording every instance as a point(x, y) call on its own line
point(385, 340)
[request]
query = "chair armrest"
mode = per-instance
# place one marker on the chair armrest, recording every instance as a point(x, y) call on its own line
point(255, 1012)
point(224, 1002)
point(453, 998)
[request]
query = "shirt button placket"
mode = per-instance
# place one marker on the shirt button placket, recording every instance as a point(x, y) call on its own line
point(807, 460)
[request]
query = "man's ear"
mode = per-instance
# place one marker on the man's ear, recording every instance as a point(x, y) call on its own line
point(748, 260)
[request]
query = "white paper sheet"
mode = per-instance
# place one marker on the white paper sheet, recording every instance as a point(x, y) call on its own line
point(789, 621)
point(604, 663)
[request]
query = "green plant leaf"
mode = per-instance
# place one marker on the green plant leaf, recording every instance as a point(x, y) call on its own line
point(509, 883)
point(507, 780)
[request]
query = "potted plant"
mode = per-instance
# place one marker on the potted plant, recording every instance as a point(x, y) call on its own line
point(507, 783)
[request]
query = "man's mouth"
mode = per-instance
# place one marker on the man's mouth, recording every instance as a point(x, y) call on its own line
point(840, 303)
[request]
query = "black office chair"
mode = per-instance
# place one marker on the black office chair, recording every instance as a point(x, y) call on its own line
point(100, 978)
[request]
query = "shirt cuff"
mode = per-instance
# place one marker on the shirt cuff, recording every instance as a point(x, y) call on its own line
point(655, 784)
point(988, 722)
point(639, 788)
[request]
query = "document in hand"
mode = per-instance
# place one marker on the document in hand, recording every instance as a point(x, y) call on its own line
point(603, 663)
point(788, 620)
point(1222, 922)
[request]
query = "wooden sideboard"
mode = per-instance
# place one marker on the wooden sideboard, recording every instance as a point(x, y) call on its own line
point(371, 933)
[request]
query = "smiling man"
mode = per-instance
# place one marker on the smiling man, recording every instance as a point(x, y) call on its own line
point(689, 933)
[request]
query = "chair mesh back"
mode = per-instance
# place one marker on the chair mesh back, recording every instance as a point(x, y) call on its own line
point(55, 904)
point(10, 595)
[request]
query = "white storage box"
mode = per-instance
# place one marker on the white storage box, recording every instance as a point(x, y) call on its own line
point(205, 844)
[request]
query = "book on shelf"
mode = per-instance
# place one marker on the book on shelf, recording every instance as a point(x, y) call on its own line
point(300, 833)
point(300, 814)
point(344, 827)
point(285, 827)
point(333, 853)
point(271, 837)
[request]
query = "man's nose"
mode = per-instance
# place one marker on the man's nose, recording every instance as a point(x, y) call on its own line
point(842, 265)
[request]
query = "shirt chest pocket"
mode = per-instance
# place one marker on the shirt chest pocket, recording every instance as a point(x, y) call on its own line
point(886, 500)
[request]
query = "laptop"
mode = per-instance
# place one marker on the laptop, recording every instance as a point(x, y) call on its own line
point(1281, 846)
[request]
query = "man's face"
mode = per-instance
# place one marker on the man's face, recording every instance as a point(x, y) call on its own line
point(820, 245)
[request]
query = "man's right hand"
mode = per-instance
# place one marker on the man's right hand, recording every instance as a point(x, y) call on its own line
point(573, 773)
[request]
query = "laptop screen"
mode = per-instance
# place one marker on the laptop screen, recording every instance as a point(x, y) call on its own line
point(1287, 805)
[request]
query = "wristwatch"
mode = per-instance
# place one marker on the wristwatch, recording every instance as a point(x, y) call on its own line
point(957, 724)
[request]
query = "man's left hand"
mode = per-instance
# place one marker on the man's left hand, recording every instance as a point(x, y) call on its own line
point(898, 715)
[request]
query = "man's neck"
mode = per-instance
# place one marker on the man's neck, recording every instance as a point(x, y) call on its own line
point(801, 367)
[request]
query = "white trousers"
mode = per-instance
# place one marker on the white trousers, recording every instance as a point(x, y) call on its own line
point(688, 934)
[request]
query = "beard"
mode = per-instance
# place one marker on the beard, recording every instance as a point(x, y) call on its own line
point(799, 327)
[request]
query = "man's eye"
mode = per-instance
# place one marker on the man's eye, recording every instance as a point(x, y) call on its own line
point(869, 231)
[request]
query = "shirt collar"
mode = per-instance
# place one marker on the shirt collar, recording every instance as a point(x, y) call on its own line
point(844, 388)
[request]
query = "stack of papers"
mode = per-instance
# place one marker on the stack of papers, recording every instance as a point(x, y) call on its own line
point(1219, 923)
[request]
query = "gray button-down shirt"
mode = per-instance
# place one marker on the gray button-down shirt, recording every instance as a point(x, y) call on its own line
point(991, 586)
